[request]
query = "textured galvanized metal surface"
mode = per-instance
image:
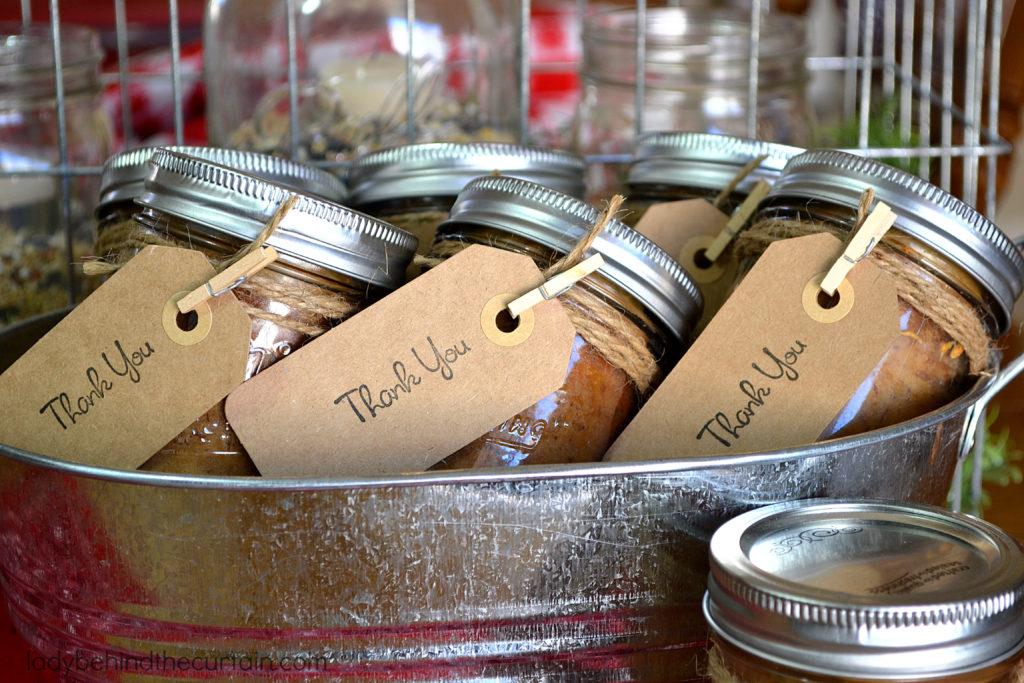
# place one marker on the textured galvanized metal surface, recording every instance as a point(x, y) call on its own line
point(555, 573)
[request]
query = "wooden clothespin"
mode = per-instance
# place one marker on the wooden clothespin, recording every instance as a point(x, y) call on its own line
point(229, 278)
point(863, 241)
point(737, 220)
point(556, 285)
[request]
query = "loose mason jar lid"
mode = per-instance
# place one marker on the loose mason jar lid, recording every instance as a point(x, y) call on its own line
point(922, 210)
point(443, 169)
point(315, 232)
point(704, 160)
point(559, 222)
point(867, 589)
point(124, 175)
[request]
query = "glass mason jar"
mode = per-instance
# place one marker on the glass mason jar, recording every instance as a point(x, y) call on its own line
point(36, 248)
point(696, 78)
point(633, 319)
point(352, 74)
point(670, 166)
point(415, 186)
point(333, 261)
point(859, 591)
point(124, 177)
point(957, 276)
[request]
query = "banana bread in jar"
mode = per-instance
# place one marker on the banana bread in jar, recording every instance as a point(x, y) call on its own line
point(863, 591)
point(957, 277)
point(332, 262)
point(414, 186)
point(124, 176)
point(633, 319)
point(670, 166)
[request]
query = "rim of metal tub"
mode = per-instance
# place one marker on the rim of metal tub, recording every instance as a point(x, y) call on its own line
point(972, 403)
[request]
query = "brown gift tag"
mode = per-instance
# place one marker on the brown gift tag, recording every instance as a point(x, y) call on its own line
point(685, 229)
point(411, 379)
point(118, 378)
point(773, 368)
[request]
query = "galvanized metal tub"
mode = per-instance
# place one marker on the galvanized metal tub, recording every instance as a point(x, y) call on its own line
point(589, 572)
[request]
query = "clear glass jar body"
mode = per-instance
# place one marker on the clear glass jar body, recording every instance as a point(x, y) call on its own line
point(351, 62)
point(925, 368)
point(209, 445)
point(731, 664)
point(35, 264)
point(695, 79)
point(418, 215)
point(579, 421)
point(639, 198)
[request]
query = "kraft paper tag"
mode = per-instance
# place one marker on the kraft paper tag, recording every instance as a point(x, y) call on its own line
point(774, 367)
point(118, 377)
point(685, 229)
point(411, 379)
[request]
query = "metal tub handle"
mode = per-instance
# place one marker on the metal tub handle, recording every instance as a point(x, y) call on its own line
point(1003, 376)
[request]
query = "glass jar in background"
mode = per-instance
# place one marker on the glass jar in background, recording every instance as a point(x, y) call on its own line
point(696, 77)
point(351, 61)
point(36, 251)
point(670, 166)
point(858, 591)
point(415, 186)
point(124, 178)
point(333, 261)
point(956, 273)
point(633, 319)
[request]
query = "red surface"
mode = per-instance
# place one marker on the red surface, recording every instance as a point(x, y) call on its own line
point(16, 656)
point(101, 14)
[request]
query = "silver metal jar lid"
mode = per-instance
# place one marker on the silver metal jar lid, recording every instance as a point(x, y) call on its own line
point(704, 160)
point(558, 222)
point(867, 589)
point(922, 210)
point(444, 168)
point(124, 175)
point(315, 232)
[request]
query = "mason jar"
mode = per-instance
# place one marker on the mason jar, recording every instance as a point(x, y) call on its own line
point(696, 78)
point(415, 186)
point(332, 262)
point(856, 591)
point(353, 78)
point(37, 247)
point(957, 276)
point(633, 319)
point(673, 165)
point(124, 177)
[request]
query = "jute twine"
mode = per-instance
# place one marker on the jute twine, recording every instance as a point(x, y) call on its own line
point(609, 331)
point(737, 179)
point(318, 308)
point(933, 298)
point(717, 671)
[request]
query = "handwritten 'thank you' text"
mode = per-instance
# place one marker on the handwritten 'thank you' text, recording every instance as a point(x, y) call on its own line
point(101, 377)
point(438, 361)
point(724, 426)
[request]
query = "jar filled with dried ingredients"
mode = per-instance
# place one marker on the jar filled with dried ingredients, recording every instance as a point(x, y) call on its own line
point(414, 186)
point(670, 166)
point(368, 74)
point(860, 591)
point(957, 276)
point(696, 77)
point(332, 262)
point(45, 223)
point(124, 176)
point(633, 317)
